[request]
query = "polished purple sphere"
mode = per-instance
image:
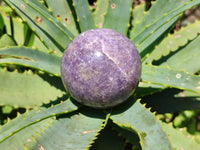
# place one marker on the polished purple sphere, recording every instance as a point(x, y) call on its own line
point(100, 68)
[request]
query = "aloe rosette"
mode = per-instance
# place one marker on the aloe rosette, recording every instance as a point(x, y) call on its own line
point(53, 120)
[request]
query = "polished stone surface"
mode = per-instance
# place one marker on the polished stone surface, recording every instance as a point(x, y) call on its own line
point(101, 68)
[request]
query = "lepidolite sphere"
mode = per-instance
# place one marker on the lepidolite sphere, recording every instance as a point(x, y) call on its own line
point(100, 68)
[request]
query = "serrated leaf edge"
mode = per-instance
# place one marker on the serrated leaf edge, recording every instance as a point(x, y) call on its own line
point(103, 125)
point(38, 120)
point(182, 44)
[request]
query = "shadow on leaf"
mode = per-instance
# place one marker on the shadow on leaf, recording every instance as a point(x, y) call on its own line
point(172, 100)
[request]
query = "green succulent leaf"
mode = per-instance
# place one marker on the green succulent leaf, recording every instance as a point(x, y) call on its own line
point(107, 139)
point(64, 13)
point(178, 139)
point(150, 130)
point(156, 13)
point(20, 29)
point(84, 15)
point(29, 36)
point(73, 128)
point(118, 12)
point(26, 137)
point(176, 101)
point(32, 58)
point(16, 29)
point(156, 21)
point(187, 58)
point(28, 89)
point(138, 14)
point(7, 40)
point(2, 25)
point(145, 88)
point(75, 132)
point(98, 15)
point(130, 135)
point(171, 78)
point(55, 35)
point(40, 4)
point(33, 117)
point(175, 41)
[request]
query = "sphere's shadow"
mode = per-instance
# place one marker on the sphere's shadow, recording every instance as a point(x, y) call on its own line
point(102, 112)
point(125, 105)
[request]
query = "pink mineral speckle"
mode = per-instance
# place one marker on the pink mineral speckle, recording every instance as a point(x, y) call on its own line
point(100, 68)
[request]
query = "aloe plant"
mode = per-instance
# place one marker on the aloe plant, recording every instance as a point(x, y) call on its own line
point(31, 48)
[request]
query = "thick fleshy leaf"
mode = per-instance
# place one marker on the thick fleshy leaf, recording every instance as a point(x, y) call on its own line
point(187, 58)
point(172, 101)
point(84, 15)
point(150, 130)
point(7, 40)
point(19, 29)
point(52, 32)
point(171, 78)
point(33, 117)
point(29, 36)
point(40, 4)
point(27, 136)
point(118, 15)
point(174, 42)
point(98, 15)
point(154, 38)
point(138, 14)
point(179, 140)
point(75, 132)
point(144, 89)
point(156, 21)
point(130, 135)
point(16, 29)
point(32, 58)
point(63, 132)
point(2, 25)
point(65, 13)
point(108, 139)
point(156, 12)
point(28, 89)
